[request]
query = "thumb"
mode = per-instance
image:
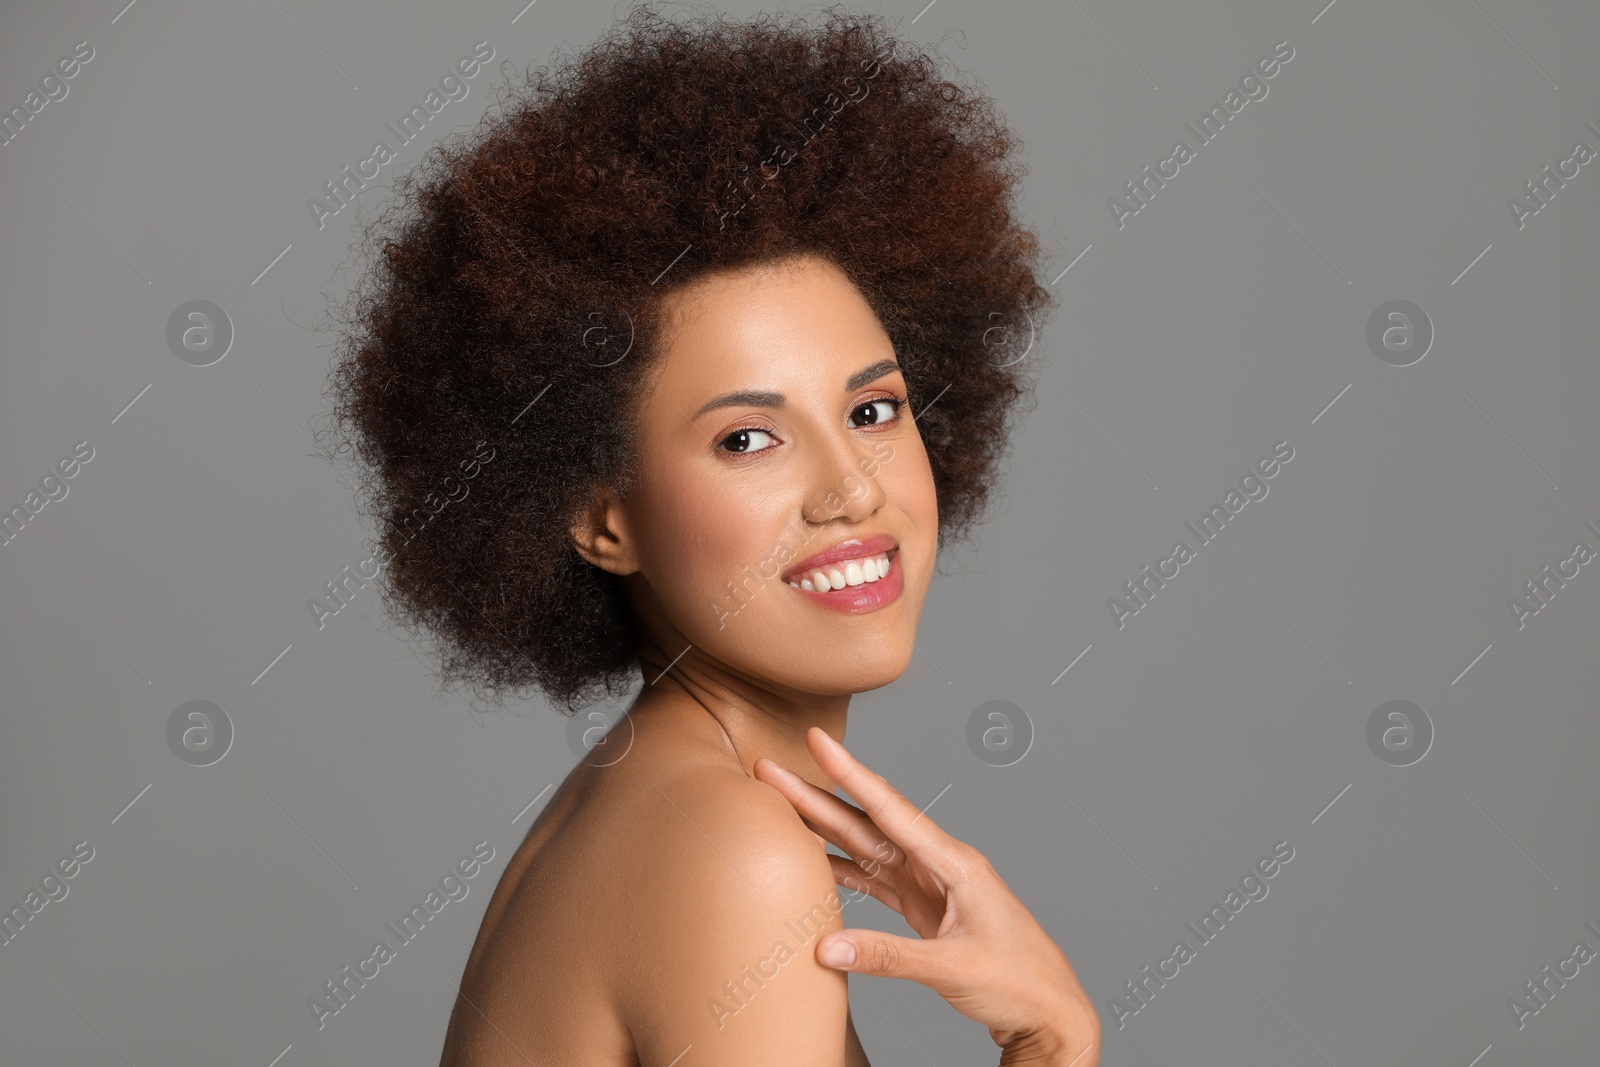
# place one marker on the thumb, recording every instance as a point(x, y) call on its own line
point(885, 955)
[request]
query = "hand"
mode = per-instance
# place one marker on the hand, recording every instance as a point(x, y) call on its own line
point(980, 948)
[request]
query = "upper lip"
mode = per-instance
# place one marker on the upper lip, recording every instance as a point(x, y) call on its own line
point(850, 548)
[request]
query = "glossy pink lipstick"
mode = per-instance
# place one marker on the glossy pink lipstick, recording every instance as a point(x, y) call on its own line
point(845, 560)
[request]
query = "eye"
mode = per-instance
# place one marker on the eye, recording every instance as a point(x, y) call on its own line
point(876, 415)
point(746, 440)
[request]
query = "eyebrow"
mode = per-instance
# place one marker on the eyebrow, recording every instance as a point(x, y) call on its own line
point(769, 399)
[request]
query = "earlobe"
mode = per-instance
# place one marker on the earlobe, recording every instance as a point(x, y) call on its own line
point(598, 533)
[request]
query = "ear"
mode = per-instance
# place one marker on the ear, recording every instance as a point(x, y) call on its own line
point(599, 532)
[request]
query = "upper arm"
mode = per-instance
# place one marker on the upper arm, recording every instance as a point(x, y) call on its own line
point(725, 936)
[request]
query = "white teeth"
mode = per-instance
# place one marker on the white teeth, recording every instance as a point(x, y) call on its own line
point(850, 573)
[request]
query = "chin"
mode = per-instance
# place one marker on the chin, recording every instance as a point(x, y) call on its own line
point(858, 676)
point(881, 681)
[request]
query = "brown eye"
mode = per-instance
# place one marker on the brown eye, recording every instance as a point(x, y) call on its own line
point(875, 414)
point(748, 439)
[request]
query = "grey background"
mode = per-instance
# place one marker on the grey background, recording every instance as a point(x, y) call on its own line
point(1228, 315)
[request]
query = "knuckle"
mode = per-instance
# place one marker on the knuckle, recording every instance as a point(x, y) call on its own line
point(953, 965)
point(973, 861)
point(1091, 1035)
point(962, 862)
point(883, 957)
point(1085, 1021)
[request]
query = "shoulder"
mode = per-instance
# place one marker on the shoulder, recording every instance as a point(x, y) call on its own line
point(716, 832)
point(749, 817)
point(735, 895)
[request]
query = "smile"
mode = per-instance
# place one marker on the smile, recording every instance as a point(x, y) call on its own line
point(853, 586)
point(845, 573)
point(853, 576)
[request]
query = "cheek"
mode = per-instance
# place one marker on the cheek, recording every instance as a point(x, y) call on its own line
point(907, 480)
point(702, 533)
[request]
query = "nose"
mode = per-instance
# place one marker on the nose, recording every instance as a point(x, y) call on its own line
point(839, 486)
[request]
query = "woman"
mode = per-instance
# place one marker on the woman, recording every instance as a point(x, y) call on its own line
point(711, 326)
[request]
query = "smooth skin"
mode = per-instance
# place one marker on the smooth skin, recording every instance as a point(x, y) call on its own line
point(667, 905)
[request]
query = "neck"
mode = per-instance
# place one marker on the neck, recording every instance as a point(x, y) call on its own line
point(755, 717)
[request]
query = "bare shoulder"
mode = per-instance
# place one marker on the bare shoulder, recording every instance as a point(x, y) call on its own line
point(725, 926)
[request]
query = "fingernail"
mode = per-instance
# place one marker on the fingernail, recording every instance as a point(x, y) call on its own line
point(837, 954)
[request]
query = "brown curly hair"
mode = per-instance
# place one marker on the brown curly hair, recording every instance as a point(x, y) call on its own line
point(502, 337)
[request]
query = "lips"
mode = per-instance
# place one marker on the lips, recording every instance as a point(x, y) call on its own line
point(851, 548)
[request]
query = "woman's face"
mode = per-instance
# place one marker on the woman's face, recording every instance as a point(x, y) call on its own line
point(776, 433)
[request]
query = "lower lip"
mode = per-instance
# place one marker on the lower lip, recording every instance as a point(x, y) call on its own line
point(859, 599)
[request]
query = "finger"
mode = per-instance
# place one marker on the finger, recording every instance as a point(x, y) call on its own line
point(887, 956)
point(847, 874)
point(865, 859)
point(846, 825)
point(892, 813)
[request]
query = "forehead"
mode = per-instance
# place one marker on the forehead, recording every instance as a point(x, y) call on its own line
point(775, 317)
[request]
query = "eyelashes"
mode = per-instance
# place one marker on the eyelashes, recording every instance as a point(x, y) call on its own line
point(899, 403)
point(755, 438)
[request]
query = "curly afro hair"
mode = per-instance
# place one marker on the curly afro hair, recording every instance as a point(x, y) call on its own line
point(500, 341)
